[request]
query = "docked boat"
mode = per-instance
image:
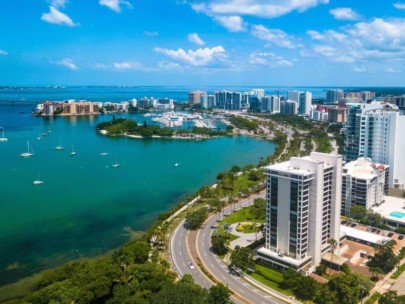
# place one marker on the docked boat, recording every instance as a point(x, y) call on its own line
point(2, 138)
point(30, 151)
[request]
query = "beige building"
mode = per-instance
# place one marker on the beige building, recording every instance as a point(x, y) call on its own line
point(337, 115)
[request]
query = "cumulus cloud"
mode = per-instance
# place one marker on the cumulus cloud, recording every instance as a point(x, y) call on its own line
point(258, 8)
point(378, 39)
point(3, 53)
point(115, 5)
point(344, 13)
point(273, 36)
point(399, 5)
point(232, 23)
point(200, 57)
point(167, 65)
point(268, 59)
point(57, 17)
point(194, 38)
point(67, 62)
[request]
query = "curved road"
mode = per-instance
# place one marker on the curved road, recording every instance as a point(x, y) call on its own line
point(181, 257)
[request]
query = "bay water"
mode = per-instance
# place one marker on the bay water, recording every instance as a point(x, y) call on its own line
point(85, 206)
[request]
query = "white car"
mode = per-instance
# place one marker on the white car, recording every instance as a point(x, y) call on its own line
point(191, 265)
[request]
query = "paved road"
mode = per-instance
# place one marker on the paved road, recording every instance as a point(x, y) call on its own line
point(181, 256)
point(220, 270)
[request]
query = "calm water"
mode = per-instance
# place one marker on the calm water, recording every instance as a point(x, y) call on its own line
point(85, 206)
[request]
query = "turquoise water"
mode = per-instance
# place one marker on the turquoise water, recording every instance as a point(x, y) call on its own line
point(397, 214)
point(85, 206)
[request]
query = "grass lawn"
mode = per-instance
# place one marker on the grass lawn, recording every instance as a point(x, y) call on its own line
point(270, 278)
point(373, 298)
point(398, 273)
point(243, 215)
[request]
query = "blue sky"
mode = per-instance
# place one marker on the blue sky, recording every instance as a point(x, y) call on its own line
point(203, 42)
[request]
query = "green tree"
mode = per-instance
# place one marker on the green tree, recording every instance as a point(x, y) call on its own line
point(218, 245)
point(391, 297)
point(333, 243)
point(258, 209)
point(195, 219)
point(375, 271)
point(219, 294)
point(242, 257)
point(384, 257)
point(235, 169)
point(358, 212)
point(321, 269)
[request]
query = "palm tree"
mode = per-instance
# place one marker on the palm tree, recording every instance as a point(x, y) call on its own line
point(333, 243)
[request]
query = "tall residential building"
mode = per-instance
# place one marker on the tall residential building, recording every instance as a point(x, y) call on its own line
point(294, 95)
point(270, 104)
point(195, 97)
point(333, 96)
point(258, 92)
point(305, 103)
point(303, 210)
point(208, 101)
point(364, 183)
point(375, 131)
point(289, 107)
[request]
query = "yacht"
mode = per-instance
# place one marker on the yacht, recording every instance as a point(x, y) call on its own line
point(73, 152)
point(29, 152)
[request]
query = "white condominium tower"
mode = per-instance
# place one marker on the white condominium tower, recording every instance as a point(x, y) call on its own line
point(303, 210)
point(364, 183)
point(375, 131)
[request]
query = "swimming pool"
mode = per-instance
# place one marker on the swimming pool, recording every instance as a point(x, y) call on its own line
point(397, 214)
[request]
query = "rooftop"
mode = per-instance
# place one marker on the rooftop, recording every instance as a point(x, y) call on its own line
point(365, 236)
point(362, 168)
point(392, 209)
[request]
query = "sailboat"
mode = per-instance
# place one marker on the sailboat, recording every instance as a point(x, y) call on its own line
point(38, 181)
point(116, 164)
point(29, 152)
point(59, 147)
point(2, 138)
point(72, 153)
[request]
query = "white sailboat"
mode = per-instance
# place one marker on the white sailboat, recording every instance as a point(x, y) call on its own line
point(59, 147)
point(30, 151)
point(2, 138)
point(38, 181)
point(116, 164)
point(72, 153)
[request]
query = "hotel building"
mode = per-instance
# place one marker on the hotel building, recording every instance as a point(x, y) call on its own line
point(303, 211)
point(364, 183)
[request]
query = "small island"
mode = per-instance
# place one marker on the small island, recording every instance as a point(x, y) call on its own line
point(130, 128)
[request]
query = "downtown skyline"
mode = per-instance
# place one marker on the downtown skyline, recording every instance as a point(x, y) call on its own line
point(207, 42)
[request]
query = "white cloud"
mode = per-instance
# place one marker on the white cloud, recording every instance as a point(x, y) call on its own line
point(274, 36)
point(375, 41)
point(67, 62)
point(151, 34)
point(115, 5)
point(199, 57)
point(232, 23)
point(268, 59)
point(344, 13)
point(194, 38)
point(166, 65)
point(57, 17)
point(399, 5)
point(3, 53)
point(360, 69)
point(258, 8)
point(391, 70)
point(58, 3)
point(127, 65)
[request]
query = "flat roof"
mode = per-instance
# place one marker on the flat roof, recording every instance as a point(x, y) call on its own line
point(391, 205)
point(364, 235)
point(283, 258)
point(363, 168)
point(337, 259)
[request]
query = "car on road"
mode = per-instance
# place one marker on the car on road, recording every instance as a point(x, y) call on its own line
point(191, 265)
